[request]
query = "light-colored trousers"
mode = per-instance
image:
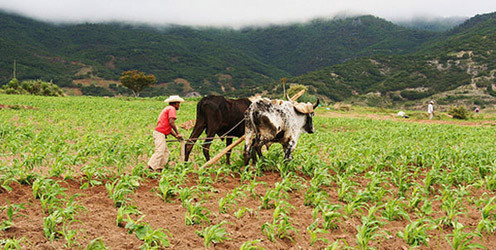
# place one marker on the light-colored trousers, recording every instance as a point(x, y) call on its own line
point(161, 155)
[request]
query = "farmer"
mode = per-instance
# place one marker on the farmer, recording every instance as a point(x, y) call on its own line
point(166, 124)
point(430, 110)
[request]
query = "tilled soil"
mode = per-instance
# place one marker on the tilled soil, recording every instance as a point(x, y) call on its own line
point(98, 219)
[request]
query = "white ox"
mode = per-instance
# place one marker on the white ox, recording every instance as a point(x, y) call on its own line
point(276, 121)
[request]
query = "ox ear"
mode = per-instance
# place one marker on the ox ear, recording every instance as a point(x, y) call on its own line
point(316, 104)
point(304, 108)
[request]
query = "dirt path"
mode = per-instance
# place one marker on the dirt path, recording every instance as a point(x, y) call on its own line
point(393, 117)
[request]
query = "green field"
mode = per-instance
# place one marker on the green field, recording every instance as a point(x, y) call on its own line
point(73, 175)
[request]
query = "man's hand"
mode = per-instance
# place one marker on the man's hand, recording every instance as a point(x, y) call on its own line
point(179, 136)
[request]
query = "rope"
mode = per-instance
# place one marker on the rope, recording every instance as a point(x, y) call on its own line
point(206, 138)
point(234, 127)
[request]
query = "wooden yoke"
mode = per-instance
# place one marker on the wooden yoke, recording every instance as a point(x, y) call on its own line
point(241, 139)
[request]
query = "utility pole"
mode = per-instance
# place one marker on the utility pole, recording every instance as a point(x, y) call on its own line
point(284, 79)
point(15, 68)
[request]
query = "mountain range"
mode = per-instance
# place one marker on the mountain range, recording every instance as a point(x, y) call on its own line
point(363, 58)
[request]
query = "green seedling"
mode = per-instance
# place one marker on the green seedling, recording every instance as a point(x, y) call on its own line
point(213, 234)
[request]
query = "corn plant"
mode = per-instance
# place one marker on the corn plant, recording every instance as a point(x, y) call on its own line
point(415, 233)
point(123, 212)
point(375, 192)
point(451, 207)
point(49, 192)
point(426, 208)
point(167, 187)
point(6, 181)
point(490, 182)
point(394, 210)
point(226, 203)
point(281, 225)
point(50, 225)
point(91, 176)
point(195, 213)
point(204, 177)
point(430, 179)
point(250, 188)
point(121, 188)
point(251, 245)
point(462, 175)
point(314, 232)
point(488, 221)
point(330, 215)
point(415, 200)
point(12, 210)
point(222, 170)
point(96, 244)
point(368, 230)
point(353, 207)
point(315, 197)
point(291, 183)
point(12, 243)
point(272, 195)
point(152, 239)
point(241, 211)
point(459, 240)
point(69, 235)
point(71, 208)
point(345, 188)
point(213, 234)
point(186, 193)
point(337, 246)
point(400, 179)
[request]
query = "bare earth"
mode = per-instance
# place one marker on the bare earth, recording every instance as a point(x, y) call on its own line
point(98, 220)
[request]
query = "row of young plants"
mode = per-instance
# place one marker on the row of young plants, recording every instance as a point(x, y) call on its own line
point(427, 176)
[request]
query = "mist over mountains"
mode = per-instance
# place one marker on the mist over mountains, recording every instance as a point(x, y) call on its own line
point(90, 57)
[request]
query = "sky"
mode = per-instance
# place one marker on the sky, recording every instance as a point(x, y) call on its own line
point(237, 13)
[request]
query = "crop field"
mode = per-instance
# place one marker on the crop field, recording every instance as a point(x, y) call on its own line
point(73, 175)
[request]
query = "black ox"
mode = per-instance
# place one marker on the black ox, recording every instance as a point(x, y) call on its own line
point(218, 115)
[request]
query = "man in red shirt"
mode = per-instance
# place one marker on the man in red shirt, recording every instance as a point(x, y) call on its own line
point(166, 125)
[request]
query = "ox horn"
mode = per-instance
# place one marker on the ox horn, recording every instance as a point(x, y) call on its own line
point(316, 104)
point(287, 97)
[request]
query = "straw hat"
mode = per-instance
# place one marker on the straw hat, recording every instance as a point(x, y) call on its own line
point(174, 98)
point(432, 102)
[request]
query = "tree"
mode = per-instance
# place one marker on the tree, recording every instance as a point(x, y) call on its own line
point(136, 81)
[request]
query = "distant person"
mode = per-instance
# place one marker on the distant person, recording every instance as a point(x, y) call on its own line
point(430, 110)
point(402, 114)
point(477, 110)
point(166, 125)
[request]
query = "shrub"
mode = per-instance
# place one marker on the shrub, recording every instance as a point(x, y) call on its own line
point(306, 97)
point(33, 87)
point(459, 113)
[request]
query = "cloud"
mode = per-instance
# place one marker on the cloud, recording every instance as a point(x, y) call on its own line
point(235, 13)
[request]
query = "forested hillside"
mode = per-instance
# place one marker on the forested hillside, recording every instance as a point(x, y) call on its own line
point(188, 59)
point(343, 58)
point(463, 56)
point(302, 48)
